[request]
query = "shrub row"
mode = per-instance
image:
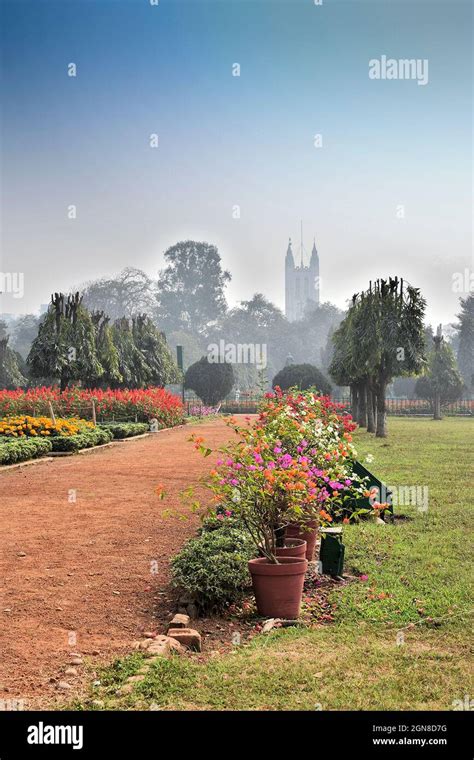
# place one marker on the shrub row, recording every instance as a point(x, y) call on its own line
point(121, 430)
point(93, 437)
point(13, 450)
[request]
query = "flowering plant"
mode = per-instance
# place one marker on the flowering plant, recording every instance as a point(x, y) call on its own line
point(292, 465)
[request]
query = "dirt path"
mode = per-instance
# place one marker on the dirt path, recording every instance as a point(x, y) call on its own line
point(88, 576)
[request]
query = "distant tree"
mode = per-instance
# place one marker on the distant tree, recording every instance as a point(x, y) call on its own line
point(465, 331)
point(11, 376)
point(24, 331)
point(442, 378)
point(302, 376)
point(210, 381)
point(129, 293)
point(65, 347)
point(190, 294)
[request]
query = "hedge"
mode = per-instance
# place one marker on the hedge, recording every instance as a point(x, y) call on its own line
point(93, 437)
point(122, 430)
point(13, 450)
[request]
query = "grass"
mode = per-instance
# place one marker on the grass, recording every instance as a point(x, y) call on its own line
point(401, 640)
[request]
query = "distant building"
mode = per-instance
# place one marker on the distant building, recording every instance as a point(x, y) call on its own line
point(301, 284)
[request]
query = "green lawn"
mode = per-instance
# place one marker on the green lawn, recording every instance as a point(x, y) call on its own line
point(401, 639)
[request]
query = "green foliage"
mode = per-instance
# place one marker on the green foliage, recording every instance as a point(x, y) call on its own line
point(64, 348)
point(191, 288)
point(85, 440)
point(442, 376)
point(212, 568)
point(465, 328)
point(73, 345)
point(382, 337)
point(210, 381)
point(13, 450)
point(302, 376)
point(126, 429)
point(11, 376)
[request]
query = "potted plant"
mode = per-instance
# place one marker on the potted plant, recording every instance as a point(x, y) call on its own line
point(286, 469)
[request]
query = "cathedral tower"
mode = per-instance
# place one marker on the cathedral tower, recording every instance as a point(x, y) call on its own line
point(301, 283)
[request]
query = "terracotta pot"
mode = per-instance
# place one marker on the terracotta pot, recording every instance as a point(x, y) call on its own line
point(278, 588)
point(310, 536)
point(294, 547)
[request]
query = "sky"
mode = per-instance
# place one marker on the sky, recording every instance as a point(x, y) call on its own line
point(385, 190)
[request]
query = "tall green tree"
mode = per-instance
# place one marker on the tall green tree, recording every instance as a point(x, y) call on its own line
point(65, 347)
point(382, 337)
point(153, 346)
point(190, 294)
point(441, 384)
point(465, 330)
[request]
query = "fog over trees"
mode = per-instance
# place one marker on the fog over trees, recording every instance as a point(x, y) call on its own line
point(187, 302)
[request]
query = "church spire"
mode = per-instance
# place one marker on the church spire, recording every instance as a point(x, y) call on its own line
point(289, 260)
point(314, 254)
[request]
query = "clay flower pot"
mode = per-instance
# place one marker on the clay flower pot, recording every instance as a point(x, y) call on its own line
point(278, 588)
point(294, 547)
point(310, 536)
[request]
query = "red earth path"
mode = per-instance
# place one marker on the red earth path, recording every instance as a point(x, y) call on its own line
point(89, 576)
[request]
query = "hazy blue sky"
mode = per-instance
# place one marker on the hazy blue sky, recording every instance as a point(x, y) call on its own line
point(226, 140)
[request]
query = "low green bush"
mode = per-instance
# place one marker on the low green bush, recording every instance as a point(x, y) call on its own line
point(126, 429)
point(212, 568)
point(13, 450)
point(85, 440)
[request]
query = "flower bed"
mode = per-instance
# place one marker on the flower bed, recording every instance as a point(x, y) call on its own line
point(110, 405)
point(24, 426)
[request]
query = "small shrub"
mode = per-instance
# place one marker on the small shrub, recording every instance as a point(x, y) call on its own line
point(212, 568)
point(122, 430)
point(13, 450)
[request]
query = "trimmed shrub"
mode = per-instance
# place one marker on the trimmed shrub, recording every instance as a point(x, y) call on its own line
point(211, 382)
point(302, 376)
point(122, 430)
point(93, 437)
point(212, 568)
point(13, 450)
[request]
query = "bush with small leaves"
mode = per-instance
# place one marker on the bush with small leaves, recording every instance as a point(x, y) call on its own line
point(212, 568)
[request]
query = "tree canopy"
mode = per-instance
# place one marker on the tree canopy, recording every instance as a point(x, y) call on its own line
point(190, 291)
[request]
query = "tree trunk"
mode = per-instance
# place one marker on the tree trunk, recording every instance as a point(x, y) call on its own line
point(362, 416)
point(381, 413)
point(371, 425)
point(437, 406)
point(354, 401)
